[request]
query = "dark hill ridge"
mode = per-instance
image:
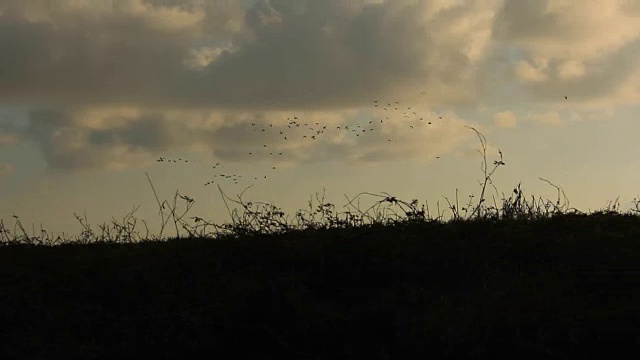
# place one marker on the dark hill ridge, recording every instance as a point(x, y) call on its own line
point(562, 287)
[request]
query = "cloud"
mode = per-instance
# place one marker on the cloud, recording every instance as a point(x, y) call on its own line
point(281, 54)
point(314, 55)
point(505, 119)
point(82, 140)
point(547, 118)
point(531, 72)
point(10, 132)
point(586, 49)
point(117, 83)
point(93, 139)
point(8, 139)
point(6, 169)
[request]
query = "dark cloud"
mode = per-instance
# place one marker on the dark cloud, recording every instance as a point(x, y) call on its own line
point(67, 142)
point(287, 54)
point(526, 20)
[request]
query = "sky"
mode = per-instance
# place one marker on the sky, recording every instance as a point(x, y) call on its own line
point(304, 92)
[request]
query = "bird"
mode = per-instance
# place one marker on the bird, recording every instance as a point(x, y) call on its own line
point(566, 98)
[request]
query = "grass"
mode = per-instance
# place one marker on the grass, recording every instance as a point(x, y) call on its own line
point(531, 279)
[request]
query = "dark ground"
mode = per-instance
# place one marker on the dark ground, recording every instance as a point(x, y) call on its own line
point(559, 288)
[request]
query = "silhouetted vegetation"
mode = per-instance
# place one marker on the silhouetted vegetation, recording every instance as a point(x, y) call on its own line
point(532, 279)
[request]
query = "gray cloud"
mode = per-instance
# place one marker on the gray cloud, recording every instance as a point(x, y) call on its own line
point(200, 75)
point(288, 54)
point(6, 169)
point(587, 50)
point(86, 140)
point(68, 142)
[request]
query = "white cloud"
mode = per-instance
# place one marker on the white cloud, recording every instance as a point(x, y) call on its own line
point(505, 119)
point(547, 118)
point(528, 72)
point(588, 49)
point(200, 58)
point(570, 69)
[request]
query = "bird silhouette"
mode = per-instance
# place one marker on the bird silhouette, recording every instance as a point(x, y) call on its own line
point(319, 129)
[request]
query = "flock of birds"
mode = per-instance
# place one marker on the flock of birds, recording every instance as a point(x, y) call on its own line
point(295, 123)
